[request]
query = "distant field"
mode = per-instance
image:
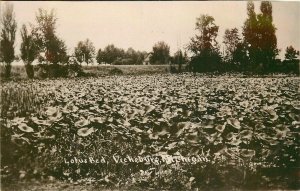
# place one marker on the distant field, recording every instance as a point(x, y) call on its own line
point(127, 69)
point(18, 71)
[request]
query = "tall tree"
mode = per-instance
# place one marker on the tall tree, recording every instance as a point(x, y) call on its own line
point(260, 38)
point(85, 51)
point(49, 42)
point(250, 33)
point(160, 53)
point(267, 37)
point(231, 42)
point(204, 46)
point(240, 57)
point(100, 56)
point(110, 54)
point(141, 56)
point(291, 53)
point(29, 50)
point(7, 37)
point(180, 59)
point(291, 62)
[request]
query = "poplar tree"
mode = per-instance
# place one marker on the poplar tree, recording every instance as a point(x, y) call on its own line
point(7, 37)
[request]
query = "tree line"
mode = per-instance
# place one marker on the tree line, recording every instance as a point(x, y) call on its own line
point(254, 50)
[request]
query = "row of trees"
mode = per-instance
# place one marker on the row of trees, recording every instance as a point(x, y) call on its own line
point(255, 51)
point(85, 52)
point(40, 41)
point(118, 56)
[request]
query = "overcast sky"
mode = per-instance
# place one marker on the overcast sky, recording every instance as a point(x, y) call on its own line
point(141, 24)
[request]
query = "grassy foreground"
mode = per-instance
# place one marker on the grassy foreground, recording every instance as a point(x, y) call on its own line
point(216, 133)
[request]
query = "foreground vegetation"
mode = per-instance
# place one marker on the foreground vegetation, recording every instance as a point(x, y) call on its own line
point(240, 133)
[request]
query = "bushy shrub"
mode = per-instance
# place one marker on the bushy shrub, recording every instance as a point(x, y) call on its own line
point(173, 69)
point(205, 63)
point(290, 66)
point(7, 70)
point(74, 70)
point(29, 70)
point(59, 70)
point(56, 70)
point(116, 71)
point(41, 71)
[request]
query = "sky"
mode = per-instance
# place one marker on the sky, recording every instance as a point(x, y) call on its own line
point(142, 24)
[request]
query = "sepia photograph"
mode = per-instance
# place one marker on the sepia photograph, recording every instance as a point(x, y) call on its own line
point(149, 95)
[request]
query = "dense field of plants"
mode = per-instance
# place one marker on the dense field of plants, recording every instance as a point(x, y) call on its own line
point(173, 132)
